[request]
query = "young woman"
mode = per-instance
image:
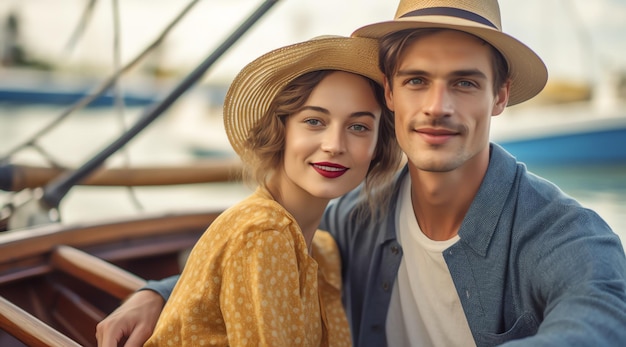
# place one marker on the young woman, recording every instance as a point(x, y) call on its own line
point(309, 122)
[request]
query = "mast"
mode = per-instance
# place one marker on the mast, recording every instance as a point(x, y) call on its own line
point(43, 203)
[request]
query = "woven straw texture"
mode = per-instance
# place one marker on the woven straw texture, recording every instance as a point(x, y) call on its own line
point(258, 83)
point(528, 72)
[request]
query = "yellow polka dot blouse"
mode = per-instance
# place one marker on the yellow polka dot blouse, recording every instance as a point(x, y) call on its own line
point(249, 281)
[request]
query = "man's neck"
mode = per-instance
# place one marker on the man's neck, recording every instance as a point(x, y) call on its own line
point(441, 199)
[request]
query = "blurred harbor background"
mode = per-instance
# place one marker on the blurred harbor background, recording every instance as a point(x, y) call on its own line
point(582, 42)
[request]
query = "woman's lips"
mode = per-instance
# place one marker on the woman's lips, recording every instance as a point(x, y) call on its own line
point(329, 170)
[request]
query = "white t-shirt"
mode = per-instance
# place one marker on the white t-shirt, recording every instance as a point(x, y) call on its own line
point(425, 309)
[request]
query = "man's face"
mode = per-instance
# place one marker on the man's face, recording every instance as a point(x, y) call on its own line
point(443, 98)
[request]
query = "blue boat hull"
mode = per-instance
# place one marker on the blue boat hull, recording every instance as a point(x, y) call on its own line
point(51, 97)
point(606, 146)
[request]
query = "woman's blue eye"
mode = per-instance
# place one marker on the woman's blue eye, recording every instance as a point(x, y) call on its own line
point(359, 127)
point(312, 121)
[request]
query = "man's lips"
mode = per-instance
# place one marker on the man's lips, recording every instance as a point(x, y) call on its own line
point(435, 136)
point(329, 170)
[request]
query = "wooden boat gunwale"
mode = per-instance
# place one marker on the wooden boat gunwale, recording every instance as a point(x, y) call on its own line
point(119, 251)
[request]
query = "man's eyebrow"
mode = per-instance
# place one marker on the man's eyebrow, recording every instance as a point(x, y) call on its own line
point(469, 73)
point(457, 73)
point(412, 72)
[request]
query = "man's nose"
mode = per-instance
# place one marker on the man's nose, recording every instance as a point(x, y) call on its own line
point(438, 101)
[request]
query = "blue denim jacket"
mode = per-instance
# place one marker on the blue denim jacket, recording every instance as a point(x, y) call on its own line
point(532, 267)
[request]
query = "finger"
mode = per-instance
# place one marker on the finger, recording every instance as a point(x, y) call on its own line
point(137, 338)
point(108, 339)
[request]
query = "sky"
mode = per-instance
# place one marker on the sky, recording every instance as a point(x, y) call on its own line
point(578, 39)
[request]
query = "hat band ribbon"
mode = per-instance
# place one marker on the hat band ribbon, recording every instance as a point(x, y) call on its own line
point(450, 12)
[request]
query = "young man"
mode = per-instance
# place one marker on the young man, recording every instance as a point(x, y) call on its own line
point(474, 250)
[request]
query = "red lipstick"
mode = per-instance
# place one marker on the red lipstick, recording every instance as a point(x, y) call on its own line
point(329, 170)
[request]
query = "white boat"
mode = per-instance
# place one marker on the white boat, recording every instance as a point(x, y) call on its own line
point(588, 129)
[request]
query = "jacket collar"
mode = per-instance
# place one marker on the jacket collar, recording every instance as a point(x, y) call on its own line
point(483, 216)
point(481, 220)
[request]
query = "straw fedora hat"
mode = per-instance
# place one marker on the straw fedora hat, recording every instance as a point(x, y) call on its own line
point(477, 17)
point(257, 84)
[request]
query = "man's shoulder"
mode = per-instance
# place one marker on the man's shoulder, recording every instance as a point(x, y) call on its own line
point(542, 204)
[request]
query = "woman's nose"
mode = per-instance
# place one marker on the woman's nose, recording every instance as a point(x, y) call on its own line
point(333, 141)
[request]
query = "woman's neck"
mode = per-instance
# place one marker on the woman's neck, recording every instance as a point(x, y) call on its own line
point(305, 208)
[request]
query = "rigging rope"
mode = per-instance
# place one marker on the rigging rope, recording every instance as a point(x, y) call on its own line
point(101, 89)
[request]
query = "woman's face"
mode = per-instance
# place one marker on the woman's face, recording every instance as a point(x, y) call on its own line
point(331, 141)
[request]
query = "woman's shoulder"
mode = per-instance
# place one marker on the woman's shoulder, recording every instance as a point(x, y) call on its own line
point(255, 214)
point(260, 210)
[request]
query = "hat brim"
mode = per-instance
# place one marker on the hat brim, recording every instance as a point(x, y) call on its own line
point(257, 84)
point(528, 73)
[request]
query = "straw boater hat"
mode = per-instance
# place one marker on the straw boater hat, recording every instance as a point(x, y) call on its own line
point(255, 87)
point(477, 17)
